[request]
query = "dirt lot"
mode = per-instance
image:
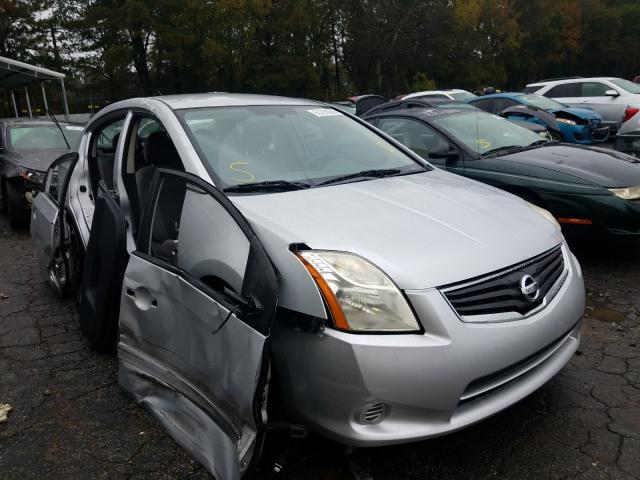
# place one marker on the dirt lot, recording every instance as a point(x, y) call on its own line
point(70, 420)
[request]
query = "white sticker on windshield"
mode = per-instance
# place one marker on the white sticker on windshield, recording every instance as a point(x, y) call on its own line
point(323, 112)
point(73, 127)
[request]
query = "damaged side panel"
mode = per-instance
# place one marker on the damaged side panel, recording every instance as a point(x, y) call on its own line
point(192, 363)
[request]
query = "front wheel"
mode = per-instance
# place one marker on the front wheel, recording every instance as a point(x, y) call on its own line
point(16, 205)
point(58, 274)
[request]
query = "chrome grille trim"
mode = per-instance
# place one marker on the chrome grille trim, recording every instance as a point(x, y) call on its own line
point(557, 276)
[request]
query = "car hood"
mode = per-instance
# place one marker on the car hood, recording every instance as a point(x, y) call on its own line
point(584, 113)
point(423, 230)
point(39, 160)
point(601, 166)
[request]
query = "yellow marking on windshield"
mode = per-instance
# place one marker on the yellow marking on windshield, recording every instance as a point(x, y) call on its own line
point(482, 143)
point(250, 176)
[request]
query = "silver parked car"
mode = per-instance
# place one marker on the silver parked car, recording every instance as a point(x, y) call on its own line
point(244, 252)
point(616, 99)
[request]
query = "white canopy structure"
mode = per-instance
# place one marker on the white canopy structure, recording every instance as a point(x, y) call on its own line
point(15, 75)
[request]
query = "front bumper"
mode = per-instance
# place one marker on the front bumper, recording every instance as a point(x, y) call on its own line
point(586, 134)
point(448, 378)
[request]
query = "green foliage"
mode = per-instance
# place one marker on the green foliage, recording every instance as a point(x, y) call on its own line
point(326, 49)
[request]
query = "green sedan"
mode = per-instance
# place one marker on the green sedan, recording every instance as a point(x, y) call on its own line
point(581, 186)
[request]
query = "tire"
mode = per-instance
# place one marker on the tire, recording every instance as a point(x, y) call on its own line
point(58, 275)
point(16, 205)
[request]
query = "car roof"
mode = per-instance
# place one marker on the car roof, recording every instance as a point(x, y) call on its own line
point(543, 83)
point(498, 95)
point(29, 121)
point(222, 99)
point(442, 91)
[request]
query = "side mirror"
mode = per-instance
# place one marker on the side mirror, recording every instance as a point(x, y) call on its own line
point(450, 154)
point(611, 93)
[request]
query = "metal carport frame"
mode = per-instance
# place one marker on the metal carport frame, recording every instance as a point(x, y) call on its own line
point(15, 74)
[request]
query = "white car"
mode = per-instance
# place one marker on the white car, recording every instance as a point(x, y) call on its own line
point(450, 93)
point(616, 99)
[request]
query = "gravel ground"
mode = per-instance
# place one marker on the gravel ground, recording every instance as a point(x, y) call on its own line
point(69, 419)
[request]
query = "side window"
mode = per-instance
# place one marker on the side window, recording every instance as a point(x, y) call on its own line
point(417, 136)
point(501, 104)
point(594, 89)
point(433, 95)
point(56, 176)
point(192, 231)
point(103, 152)
point(564, 90)
point(486, 104)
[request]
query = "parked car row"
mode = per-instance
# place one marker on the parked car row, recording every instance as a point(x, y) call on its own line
point(265, 264)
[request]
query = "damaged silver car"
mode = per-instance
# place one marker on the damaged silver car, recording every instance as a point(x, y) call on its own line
point(263, 264)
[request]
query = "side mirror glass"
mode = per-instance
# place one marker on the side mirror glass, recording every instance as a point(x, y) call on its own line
point(611, 93)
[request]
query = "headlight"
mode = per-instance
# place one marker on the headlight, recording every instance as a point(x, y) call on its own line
point(359, 295)
point(566, 120)
point(627, 193)
point(545, 213)
point(31, 175)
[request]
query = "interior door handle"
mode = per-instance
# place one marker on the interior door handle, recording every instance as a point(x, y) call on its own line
point(142, 298)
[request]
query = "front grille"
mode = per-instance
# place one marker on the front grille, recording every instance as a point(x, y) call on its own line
point(501, 291)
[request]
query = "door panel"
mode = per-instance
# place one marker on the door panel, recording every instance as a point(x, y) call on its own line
point(104, 266)
point(44, 217)
point(45, 225)
point(196, 309)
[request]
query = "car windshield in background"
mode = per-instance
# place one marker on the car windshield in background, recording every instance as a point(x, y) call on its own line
point(485, 133)
point(626, 85)
point(257, 147)
point(542, 102)
point(43, 137)
point(462, 96)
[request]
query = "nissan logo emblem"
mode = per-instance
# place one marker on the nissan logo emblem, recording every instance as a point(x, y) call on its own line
point(529, 288)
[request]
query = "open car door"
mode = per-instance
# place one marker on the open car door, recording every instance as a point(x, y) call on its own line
point(47, 221)
point(104, 265)
point(198, 301)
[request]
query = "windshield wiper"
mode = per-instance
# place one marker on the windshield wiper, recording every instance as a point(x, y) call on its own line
point(505, 149)
point(380, 173)
point(269, 185)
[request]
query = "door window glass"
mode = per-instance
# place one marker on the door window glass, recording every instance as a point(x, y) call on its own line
point(192, 231)
point(501, 104)
point(56, 177)
point(484, 104)
point(104, 149)
point(594, 89)
point(417, 136)
point(564, 90)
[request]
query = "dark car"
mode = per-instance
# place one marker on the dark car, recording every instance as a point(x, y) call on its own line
point(578, 125)
point(582, 186)
point(448, 104)
point(27, 148)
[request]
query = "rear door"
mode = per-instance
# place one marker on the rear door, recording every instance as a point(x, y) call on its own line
point(49, 205)
point(610, 107)
point(198, 300)
point(567, 93)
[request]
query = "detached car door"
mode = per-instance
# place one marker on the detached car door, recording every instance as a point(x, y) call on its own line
point(48, 206)
point(198, 299)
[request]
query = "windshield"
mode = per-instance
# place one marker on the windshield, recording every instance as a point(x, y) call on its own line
point(304, 145)
point(483, 132)
point(462, 96)
point(542, 102)
point(43, 137)
point(626, 85)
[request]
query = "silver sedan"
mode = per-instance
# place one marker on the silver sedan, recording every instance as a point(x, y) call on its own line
point(244, 251)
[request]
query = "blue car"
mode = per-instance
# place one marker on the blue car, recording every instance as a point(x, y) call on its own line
point(573, 125)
